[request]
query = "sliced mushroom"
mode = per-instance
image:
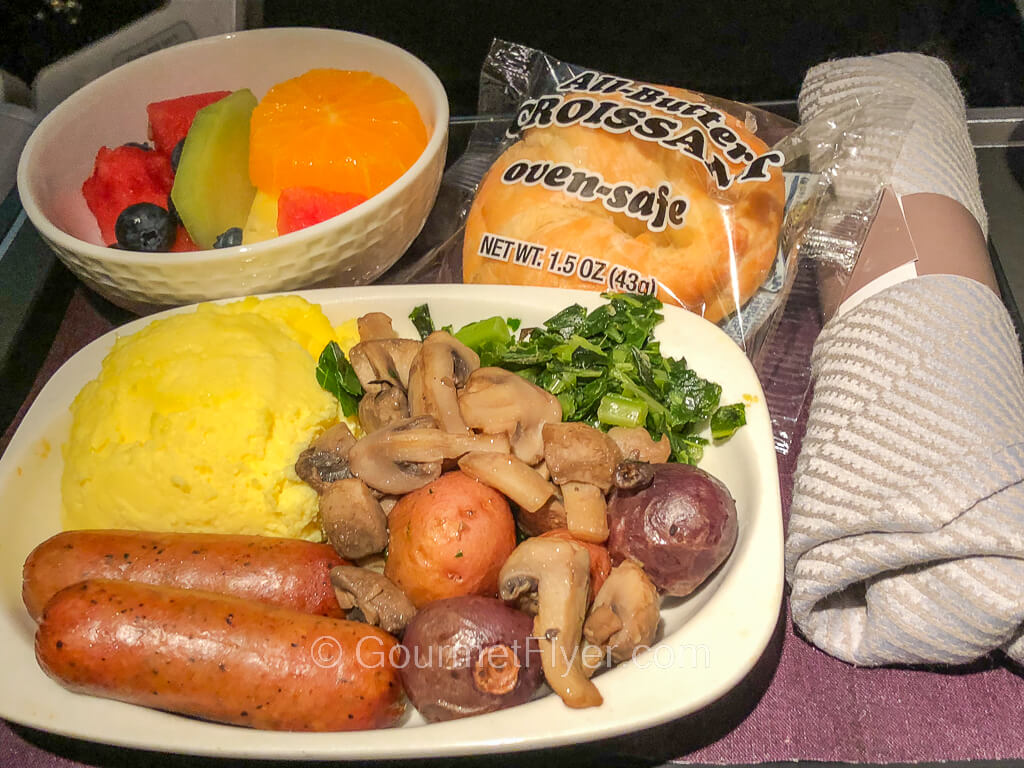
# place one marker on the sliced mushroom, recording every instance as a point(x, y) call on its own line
point(435, 445)
point(625, 613)
point(495, 400)
point(633, 475)
point(442, 366)
point(550, 579)
point(378, 410)
point(548, 517)
point(593, 657)
point(387, 503)
point(405, 452)
point(352, 519)
point(579, 453)
point(383, 362)
point(375, 325)
point(586, 513)
point(382, 466)
point(337, 438)
point(326, 459)
point(371, 597)
point(636, 444)
point(457, 445)
point(514, 478)
point(374, 562)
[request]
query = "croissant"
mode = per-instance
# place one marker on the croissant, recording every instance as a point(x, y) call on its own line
point(671, 197)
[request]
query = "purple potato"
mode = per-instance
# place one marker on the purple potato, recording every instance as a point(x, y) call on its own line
point(680, 527)
point(469, 655)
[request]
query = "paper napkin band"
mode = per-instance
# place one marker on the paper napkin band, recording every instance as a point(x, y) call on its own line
point(918, 234)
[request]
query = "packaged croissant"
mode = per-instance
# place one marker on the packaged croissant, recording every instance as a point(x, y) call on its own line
point(578, 178)
point(612, 184)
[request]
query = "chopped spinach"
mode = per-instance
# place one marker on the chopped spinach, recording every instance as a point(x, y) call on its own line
point(606, 369)
point(493, 330)
point(335, 374)
point(422, 320)
point(727, 419)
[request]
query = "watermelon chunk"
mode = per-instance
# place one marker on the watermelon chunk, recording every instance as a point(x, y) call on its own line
point(299, 207)
point(170, 120)
point(183, 242)
point(124, 176)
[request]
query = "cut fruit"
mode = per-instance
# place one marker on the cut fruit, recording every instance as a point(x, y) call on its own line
point(124, 176)
point(300, 207)
point(336, 130)
point(170, 120)
point(145, 227)
point(212, 191)
point(183, 243)
point(262, 221)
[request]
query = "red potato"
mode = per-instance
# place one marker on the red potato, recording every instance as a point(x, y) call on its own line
point(286, 572)
point(219, 657)
point(680, 528)
point(469, 655)
point(449, 538)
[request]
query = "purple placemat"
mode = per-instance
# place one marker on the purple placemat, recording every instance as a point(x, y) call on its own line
point(797, 703)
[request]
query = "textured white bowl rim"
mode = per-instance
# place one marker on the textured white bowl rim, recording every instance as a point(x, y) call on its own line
point(81, 97)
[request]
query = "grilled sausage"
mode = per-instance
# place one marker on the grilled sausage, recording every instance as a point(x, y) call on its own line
point(285, 572)
point(219, 657)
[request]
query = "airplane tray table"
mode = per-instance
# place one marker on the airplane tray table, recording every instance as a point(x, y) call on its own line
point(798, 704)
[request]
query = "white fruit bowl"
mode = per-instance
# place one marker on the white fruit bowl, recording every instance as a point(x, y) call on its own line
point(351, 249)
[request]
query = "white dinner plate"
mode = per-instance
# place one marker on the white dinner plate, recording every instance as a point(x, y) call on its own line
point(711, 639)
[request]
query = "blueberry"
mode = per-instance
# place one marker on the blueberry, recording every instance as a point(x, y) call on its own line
point(176, 155)
point(172, 210)
point(145, 227)
point(139, 145)
point(228, 238)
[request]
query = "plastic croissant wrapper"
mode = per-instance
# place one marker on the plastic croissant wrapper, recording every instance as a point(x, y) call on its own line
point(583, 179)
point(906, 535)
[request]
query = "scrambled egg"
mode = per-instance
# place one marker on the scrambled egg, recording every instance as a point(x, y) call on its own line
point(195, 422)
point(347, 335)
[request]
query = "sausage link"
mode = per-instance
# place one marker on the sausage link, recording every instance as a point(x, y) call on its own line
point(219, 657)
point(287, 572)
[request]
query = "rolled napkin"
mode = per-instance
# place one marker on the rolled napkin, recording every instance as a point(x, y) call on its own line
point(936, 154)
point(906, 534)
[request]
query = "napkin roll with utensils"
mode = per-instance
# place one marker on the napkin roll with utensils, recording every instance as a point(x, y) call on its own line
point(906, 533)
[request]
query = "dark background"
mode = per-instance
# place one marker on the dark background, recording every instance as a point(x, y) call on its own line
point(749, 50)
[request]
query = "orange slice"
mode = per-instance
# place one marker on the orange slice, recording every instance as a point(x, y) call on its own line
point(334, 129)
